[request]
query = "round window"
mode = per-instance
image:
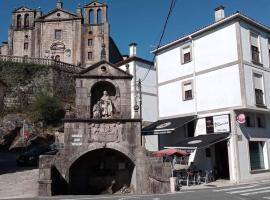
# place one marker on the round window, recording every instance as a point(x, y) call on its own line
point(103, 68)
point(58, 14)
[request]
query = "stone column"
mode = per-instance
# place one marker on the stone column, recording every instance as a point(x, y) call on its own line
point(45, 180)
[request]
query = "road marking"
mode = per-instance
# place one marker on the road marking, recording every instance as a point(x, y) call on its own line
point(235, 188)
point(135, 196)
point(266, 197)
point(259, 192)
point(248, 190)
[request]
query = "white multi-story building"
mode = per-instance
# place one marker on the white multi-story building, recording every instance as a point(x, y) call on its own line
point(206, 81)
point(144, 96)
point(143, 70)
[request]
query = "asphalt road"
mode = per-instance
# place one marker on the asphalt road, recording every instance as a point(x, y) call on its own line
point(255, 191)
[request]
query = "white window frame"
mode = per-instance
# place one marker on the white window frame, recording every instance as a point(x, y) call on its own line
point(265, 153)
point(252, 117)
point(263, 117)
point(258, 46)
point(182, 53)
point(268, 48)
point(183, 90)
point(263, 86)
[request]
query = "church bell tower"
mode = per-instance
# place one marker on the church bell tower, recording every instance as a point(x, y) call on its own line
point(96, 34)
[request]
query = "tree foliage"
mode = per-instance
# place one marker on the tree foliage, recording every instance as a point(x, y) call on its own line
point(46, 108)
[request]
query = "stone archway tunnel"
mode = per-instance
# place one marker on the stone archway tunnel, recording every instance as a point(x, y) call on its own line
point(102, 171)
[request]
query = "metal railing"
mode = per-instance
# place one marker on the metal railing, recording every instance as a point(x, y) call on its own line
point(42, 61)
point(259, 97)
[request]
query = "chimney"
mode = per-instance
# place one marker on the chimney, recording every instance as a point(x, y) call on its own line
point(132, 49)
point(79, 10)
point(38, 12)
point(219, 13)
point(59, 4)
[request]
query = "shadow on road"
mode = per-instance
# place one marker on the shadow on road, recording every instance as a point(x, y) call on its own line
point(8, 163)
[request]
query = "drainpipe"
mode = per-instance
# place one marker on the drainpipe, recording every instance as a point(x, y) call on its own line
point(194, 74)
point(234, 143)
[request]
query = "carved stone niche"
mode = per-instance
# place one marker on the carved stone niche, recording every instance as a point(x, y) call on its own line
point(105, 132)
point(105, 101)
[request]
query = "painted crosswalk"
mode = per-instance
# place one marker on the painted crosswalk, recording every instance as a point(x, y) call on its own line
point(248, 190)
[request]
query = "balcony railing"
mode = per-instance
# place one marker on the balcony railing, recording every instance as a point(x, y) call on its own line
point(42, 61)
point(255, 54)
point(259, 97)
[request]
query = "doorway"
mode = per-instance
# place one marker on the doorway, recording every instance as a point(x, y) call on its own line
point(222, 162)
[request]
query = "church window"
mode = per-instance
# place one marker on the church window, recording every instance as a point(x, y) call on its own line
point(26, 20)
point(25, 46)
point(90, 42)
point(91, 16)
point(19, 21)
point(90, 55)
point(58, 34)
point(58, 14)
point(99, 16)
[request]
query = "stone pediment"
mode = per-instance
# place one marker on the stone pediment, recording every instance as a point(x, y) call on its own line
point(104, 69)
point(58, 14)
point(93, 4)
point(23, 9)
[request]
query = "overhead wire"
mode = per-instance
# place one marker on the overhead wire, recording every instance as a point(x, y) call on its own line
point(172, 5)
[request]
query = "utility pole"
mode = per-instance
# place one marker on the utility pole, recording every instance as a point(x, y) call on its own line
point(140, 96)
point(140, 105)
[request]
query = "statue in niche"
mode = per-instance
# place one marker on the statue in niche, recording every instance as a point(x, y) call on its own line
point(104, 108)
point(96, 111)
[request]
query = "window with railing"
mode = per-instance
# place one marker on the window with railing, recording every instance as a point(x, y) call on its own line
point(259, 97)
point(255, 54)
point(258, 89)
point(255, 50)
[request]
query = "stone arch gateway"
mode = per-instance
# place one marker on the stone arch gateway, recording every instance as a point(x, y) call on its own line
point(101, 171)
point(102, 151)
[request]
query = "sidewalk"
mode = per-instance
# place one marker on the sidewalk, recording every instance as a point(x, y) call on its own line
point(16, 182)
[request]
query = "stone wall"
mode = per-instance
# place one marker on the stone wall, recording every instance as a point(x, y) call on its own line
point(23, 81)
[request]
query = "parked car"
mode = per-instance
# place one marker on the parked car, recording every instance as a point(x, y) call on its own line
point(31, 156)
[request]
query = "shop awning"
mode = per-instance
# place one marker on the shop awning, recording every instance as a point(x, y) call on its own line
point(166, 125)
point(170, 152)
point(201, 141)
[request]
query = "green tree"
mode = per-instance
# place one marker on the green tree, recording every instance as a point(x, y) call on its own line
point(46, 108)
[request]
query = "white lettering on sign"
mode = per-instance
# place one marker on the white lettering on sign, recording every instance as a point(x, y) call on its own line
point(77, 135)
point(221, 123)
point(77, 140)
point(76, 144)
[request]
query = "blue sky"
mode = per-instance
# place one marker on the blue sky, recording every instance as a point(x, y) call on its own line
point(141, 21)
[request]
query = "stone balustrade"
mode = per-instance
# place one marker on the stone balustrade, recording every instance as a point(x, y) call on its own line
point(42, 61)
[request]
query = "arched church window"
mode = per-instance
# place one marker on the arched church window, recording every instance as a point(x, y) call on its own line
point(57, 58)
point(91, 16)
point(26, 20)
point(19, 21)
point(99, 16)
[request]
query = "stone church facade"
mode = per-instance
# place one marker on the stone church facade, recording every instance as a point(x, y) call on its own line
point(80, 38)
